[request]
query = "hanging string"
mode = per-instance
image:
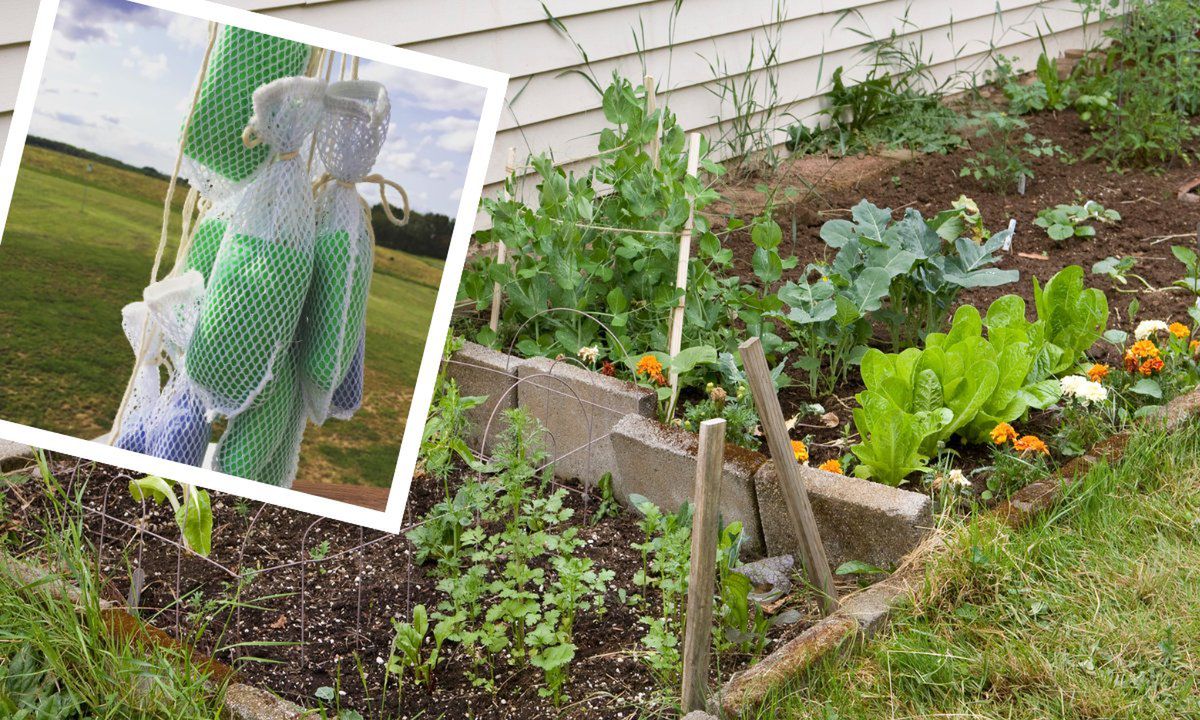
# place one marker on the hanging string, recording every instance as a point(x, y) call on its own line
point(384, 184)
point(146, 336)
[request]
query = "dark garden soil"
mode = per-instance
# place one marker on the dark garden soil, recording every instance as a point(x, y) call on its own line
point(1153, 219)
point(331, 616)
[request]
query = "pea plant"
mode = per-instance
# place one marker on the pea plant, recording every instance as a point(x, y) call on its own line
point(511, 570)
point(193, 513)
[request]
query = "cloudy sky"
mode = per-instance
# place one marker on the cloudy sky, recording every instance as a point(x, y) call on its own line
point(119, 78)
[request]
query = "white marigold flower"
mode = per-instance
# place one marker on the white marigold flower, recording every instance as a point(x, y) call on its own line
point(1083, 390)
point(1147, 328)
point(589, 354)
point(957, 478)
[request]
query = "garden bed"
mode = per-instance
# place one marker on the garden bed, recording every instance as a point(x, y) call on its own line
point(353, 584)
point(1153, 219)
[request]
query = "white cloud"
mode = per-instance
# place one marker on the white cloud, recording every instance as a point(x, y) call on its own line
point(427, 91)
point(452, 133)
point(188, 31)
point(149, 67)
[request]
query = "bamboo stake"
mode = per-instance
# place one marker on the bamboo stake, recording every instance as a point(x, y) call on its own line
point(651, 106)
point(710, 460)
point(812, 551)
point(681, 272)
point(497, 290)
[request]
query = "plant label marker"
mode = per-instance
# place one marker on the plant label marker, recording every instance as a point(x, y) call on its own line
point(685, 254)
point(812, 550)
point(710, 459)
point(1012, 231)
point(497, 290)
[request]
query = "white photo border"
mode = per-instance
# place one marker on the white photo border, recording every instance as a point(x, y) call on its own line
point(494, 83)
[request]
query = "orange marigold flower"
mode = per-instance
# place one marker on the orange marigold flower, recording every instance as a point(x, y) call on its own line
point(1151, 366)
point(834, 466)
point(1194, 346)
point(800, 450)
point(1003, 433)
point(1131, 362)
point(1097, 372)
point(651, 368)
point(1030, 443)
point(1179, 330)
point(1143, 349)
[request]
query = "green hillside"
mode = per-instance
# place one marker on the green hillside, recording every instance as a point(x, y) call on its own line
point(78, 246)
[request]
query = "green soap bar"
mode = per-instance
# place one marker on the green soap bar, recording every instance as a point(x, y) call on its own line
point(258, 438)
point(336, 306)
point(206, 241)
point(241, 62)
point(252, 307)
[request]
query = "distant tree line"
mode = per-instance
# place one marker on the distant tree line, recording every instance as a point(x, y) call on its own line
point(68, 149)
point(425, 234)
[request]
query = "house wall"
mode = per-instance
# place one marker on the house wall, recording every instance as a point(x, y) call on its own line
point(553, 109)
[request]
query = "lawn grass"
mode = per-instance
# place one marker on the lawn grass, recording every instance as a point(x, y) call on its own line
point(1092, 612)
point(66, 274)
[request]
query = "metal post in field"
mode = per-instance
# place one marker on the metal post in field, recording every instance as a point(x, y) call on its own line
point(697, 639)
point(497, 290)
point(812, 550)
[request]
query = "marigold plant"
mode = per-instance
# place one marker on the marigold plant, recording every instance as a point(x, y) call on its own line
point(1098, 372)
point(834, 466)
point(800, 450)
point(1179, 330)
point(1003, 433)
point(650, 367)
point(1030, 444)
point(1151, 366)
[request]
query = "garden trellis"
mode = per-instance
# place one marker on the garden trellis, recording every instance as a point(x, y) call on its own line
point(262, 318)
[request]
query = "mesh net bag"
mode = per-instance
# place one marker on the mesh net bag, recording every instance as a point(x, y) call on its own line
point(144, 390)
point(178, 429)
point(263, 443)
point(348, 397)
point(261, 274)
point(217, 162)
point(350, 134)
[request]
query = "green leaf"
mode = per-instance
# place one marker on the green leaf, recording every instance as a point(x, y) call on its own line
point(1148, 388)
point(195, 520)
point(153, 488)
point(836, 233)
point(689, 358)
point(1060, 232)
point(858, 567)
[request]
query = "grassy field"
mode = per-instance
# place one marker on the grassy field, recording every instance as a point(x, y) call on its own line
point(69, 263)
point(1093, 612)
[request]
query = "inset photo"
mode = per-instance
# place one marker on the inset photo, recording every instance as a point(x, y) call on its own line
point(230, 248)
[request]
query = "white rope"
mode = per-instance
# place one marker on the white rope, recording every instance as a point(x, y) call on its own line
point(146, 335)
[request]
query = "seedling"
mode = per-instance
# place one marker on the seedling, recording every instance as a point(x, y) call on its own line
point(1062, 222)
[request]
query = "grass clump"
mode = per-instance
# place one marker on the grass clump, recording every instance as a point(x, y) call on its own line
point(1093, 611)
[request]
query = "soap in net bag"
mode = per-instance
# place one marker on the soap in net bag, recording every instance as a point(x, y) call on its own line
point(348, 397)
point(176, 428)
point(263, 443)
point(258, 284)
point(216, 161)
point(349, 136)
point(146, 379)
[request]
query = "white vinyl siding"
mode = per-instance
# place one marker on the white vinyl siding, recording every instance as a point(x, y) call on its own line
point(554, 109)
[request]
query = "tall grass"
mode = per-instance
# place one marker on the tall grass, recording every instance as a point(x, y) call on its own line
point(58, 655)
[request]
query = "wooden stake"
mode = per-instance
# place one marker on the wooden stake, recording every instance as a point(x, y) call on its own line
point(651, 106)
point(497, 290)
point(710, 461)
point(812, 551)
point(681, 272)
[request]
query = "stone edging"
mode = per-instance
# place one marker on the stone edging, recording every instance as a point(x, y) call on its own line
point(863, 613)
point(616, 420)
